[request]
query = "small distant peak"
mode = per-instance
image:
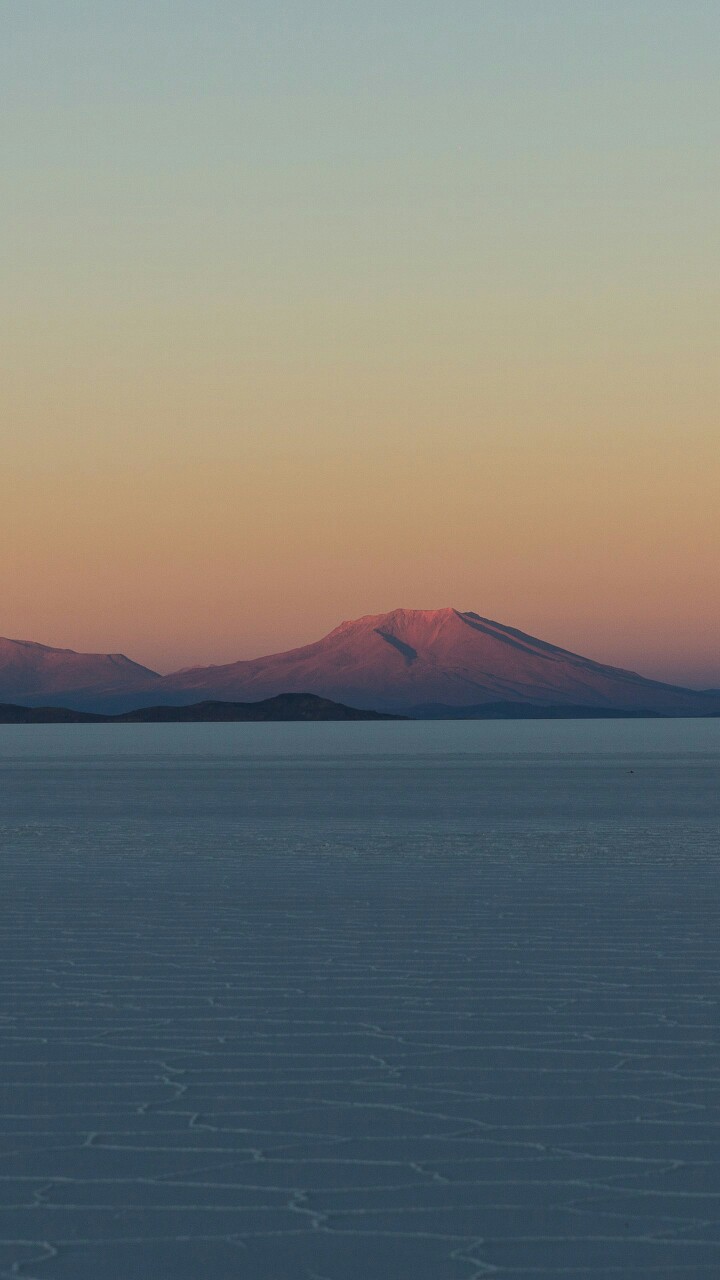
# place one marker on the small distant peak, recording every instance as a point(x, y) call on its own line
point(31, 644)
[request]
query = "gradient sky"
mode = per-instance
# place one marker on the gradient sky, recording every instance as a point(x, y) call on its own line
point(317, 309)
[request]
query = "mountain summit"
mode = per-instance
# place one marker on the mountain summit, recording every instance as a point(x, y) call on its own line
point(29, 670)
point(417, 658)
point(412, 661)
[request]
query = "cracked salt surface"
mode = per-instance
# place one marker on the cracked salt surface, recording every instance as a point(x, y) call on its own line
point(405, 1002)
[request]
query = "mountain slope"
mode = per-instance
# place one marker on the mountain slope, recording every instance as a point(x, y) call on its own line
point(413, 657)
point(406, 661)
point(29, 670)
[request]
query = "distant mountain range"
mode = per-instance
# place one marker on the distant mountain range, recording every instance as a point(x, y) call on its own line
point(288, 706)
point(442, 662)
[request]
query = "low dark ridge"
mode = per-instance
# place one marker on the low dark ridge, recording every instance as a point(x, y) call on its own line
point(285, 706)
point(12, 714)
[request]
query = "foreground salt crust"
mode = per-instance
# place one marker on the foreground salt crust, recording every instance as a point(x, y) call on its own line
point(413, 1017)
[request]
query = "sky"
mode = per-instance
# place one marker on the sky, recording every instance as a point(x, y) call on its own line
point(318, 309)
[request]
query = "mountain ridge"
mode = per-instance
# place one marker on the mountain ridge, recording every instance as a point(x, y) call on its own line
point(28, 668)
point(285, 707)
point(392, 662)
point(406, 658)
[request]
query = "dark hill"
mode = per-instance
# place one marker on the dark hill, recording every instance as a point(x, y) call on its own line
point(286, 706)
point(12, 714)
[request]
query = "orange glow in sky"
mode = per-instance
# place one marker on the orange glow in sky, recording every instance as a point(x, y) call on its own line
point(309, 317)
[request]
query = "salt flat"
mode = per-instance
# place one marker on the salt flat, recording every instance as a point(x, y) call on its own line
point(346, 1002)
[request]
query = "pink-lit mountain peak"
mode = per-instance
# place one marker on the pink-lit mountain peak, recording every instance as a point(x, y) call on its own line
point(416, 657)
point(418, 622)
point(404, 660)
point(446, 635)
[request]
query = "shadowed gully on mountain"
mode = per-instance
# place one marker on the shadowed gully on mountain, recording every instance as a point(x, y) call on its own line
point(410, 660)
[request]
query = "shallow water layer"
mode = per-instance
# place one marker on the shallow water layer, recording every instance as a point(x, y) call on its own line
point(347, 1002)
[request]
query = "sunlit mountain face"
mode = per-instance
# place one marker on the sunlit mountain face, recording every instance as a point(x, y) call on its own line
point(29, 670)
point(408, 660)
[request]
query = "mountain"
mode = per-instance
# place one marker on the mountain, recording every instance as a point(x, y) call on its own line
point(10, 713)
point(31, 671)
point(287, 706)
point(416, 659)
point(411, 661)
